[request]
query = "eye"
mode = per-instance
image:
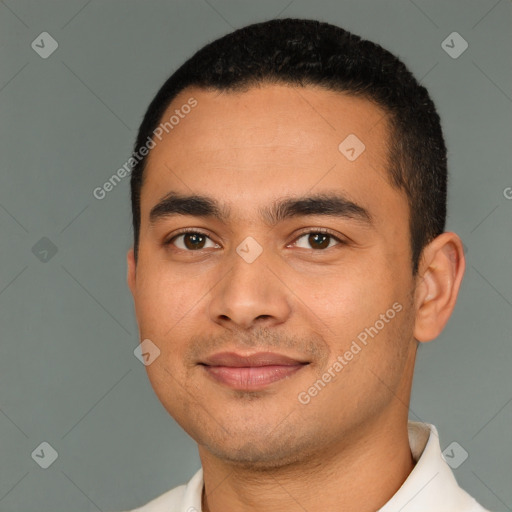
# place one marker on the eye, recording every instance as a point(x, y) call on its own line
point(191, 240)
point(319, 239)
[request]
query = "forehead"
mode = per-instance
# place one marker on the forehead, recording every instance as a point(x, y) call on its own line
point(246, 147)
point(299, 118)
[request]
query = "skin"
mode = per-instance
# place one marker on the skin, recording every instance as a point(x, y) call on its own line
point(264, 450)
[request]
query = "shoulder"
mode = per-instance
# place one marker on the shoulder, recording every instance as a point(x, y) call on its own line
point(182, 498)
point(164, 502)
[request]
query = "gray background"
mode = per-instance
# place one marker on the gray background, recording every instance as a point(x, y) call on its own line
point(68, 374)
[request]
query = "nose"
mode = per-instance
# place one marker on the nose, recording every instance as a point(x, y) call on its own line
point(250, 294)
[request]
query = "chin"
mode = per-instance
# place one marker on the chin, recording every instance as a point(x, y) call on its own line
point(253, 457)
point(268, 452)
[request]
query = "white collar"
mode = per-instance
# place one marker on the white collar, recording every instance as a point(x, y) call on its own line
point(431, 484)
point(430, 487)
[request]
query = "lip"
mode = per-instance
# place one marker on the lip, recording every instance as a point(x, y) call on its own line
point(250, 372)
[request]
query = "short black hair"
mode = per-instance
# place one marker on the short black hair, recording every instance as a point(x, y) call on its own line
point(303, 52)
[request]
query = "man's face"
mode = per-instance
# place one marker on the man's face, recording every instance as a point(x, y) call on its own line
point(309, 296)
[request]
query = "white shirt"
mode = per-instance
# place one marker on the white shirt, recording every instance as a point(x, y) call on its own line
point(430, 487)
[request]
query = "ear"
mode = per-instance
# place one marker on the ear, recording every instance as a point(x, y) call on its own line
point(440, 274)
point(131, 270)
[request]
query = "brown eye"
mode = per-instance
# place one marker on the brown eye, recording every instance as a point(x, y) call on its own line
point(190, 241)
point(319, 240)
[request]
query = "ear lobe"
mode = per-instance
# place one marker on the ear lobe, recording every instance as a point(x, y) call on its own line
point(440, 275)
point(131, 270)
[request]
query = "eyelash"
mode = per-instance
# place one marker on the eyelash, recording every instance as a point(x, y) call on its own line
point(323, 231)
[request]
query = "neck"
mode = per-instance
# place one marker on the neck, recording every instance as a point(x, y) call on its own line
point(361, 474)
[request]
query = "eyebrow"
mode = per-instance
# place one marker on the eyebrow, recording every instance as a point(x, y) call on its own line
point(330, 205)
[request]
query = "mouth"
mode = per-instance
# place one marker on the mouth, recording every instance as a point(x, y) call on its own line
point(251, 372)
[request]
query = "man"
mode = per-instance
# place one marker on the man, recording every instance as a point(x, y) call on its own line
point(289, 204)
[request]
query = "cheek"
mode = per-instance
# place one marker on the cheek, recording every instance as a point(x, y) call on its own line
point(164, 298)
point(349, 303)
point(348, 297)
